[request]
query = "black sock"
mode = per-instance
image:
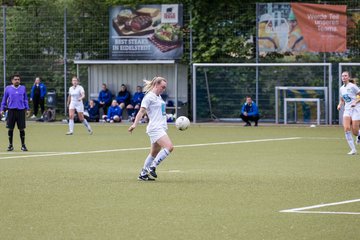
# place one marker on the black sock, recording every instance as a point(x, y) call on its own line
point(22, 137)
point(10, 134)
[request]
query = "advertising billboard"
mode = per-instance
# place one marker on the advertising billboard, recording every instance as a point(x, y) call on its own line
point(147, 32)
point(301, 27)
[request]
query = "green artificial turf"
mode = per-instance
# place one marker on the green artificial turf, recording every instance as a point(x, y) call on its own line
point(221, 182)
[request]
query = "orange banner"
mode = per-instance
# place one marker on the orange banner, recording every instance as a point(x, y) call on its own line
point(322, 26)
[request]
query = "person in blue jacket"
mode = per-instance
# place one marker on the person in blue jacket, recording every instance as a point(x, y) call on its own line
point(105, 98)
point(134, 106)
point(37, 96)
point(250, 112)
point(92, 112)
point(114, 113)
point(123, 97)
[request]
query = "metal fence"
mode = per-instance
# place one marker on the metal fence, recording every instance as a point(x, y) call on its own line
point(44, 41)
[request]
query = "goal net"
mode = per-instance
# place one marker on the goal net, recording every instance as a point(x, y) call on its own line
point(219, 90)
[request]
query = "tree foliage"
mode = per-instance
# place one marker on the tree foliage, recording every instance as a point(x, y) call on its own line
point(214, 31)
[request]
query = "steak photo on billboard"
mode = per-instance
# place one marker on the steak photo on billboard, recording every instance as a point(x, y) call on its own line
point(147, 32)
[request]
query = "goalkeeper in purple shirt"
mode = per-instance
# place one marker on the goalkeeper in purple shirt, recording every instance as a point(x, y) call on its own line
point(15, 101)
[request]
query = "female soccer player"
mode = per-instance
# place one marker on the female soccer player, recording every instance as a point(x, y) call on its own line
point(76, 95)
point(351, 116)
point(161, 145)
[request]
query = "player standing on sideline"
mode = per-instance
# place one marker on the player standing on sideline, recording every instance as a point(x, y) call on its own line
point(76, 95)
point(16, 102)
point(161, 145)
point(351, 116)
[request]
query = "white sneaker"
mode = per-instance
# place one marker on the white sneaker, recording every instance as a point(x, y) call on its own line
point(69, 133)
point(33, 116)
point(352, 152)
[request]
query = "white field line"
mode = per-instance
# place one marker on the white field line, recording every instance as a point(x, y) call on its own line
point(147, 148)
point(318, 212)
point(238, 142)
point(21, 153)
point(301, 210)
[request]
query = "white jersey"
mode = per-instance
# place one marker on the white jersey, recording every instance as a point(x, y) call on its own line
point(348, 92)
point(76, 92)
point(156, 111)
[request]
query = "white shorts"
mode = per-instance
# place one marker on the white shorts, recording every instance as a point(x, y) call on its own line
point(156, 135)
point(354, 113)
point(79, 106)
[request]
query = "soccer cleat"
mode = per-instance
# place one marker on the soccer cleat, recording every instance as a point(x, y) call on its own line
point(151, 171)
point(352, 152)
point(247, 125)
point(69, 133)
point(10, 148)
point(145, 178)
point(23, 148)
point(90, 131)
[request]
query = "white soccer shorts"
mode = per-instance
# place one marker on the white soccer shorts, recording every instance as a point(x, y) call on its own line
point(79, 106)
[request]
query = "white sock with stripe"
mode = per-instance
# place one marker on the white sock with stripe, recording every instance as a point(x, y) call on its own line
point(160, 157)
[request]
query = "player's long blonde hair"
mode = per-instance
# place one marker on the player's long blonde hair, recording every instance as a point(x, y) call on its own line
point(354, 81)
point(150, 84)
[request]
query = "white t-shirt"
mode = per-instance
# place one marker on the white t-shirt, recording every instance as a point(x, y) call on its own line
point(76, 92)
point(348, 92)
point(156, 111)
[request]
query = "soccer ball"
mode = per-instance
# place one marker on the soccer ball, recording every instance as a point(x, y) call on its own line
point(182, 123)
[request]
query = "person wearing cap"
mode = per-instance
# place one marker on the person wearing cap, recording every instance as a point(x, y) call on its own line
point(296, 42)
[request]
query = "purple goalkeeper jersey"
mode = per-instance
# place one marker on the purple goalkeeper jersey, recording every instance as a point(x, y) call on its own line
point(15, 98)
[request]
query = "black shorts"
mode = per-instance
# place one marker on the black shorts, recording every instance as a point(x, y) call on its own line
point(16, 116)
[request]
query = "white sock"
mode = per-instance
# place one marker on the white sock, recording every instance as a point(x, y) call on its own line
point(350, 140)
point(160, 157)
point(71, 125)
point(148, 161)
point(147, 164)
point(86, 124)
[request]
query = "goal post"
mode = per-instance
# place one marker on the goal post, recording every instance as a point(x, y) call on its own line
point(222, 87)
point(323, 90)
